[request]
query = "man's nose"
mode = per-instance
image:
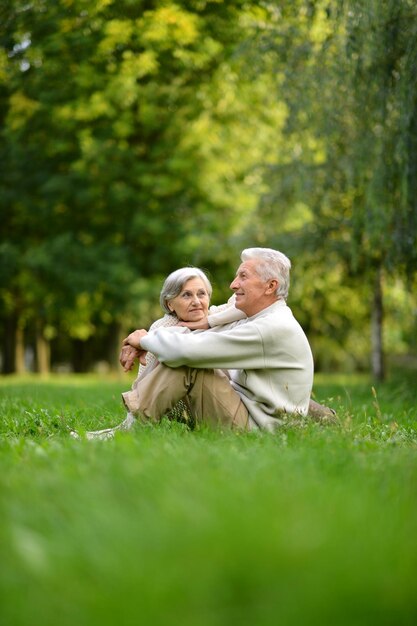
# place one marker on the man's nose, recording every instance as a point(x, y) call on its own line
point(233, 284)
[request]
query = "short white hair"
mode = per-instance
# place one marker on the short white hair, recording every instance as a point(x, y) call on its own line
point(175, 282)
point(271, 264)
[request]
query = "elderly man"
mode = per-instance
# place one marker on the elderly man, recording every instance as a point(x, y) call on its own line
point(246, 376)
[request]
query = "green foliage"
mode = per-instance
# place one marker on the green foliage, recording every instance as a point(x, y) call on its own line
point(381, 57)
point(349, 152)
point(341, 192)
point(163, 525)
point(139, 136)
point(98, 106)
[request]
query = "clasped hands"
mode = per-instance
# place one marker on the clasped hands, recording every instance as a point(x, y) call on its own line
point(132, 350)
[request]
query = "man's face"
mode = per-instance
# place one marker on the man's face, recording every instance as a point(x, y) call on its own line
point(252, 293)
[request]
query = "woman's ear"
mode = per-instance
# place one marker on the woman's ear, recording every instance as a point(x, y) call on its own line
point(171, 308)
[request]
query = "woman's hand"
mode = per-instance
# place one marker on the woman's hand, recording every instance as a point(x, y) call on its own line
point(134, 338)
point(131, 350)
point(200, 325)
point(127, 357)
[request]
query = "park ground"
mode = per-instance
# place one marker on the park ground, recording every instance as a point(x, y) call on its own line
point(164, 525)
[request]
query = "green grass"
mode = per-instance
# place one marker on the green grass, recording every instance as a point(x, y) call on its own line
point(312, 526)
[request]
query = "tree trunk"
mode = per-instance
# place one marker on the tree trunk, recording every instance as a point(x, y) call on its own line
point(19, 350)
point(42, 353)
point(9, 352)
point(116, 336)
point(80, 360)
point(377, 317)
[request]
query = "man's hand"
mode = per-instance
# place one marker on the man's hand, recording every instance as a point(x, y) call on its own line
point(201, 325)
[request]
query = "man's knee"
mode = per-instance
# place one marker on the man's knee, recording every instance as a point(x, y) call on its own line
point(215, 402)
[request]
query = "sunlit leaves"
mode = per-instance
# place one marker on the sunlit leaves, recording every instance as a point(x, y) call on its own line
point(168, 26)
point(21, 109)
point(103, 106)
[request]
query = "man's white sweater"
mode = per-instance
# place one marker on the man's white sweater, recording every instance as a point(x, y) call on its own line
point(268, 357)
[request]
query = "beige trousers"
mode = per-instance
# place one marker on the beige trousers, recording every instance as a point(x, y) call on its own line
point(208, 393)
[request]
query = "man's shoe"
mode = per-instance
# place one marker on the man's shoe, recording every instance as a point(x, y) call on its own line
point(320, 413)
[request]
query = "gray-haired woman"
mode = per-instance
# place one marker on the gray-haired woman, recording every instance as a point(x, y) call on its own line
point(185, 297)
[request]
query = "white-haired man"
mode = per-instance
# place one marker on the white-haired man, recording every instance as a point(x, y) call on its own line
point(246, 375)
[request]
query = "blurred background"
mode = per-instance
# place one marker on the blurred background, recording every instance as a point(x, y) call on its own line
point(140, 136)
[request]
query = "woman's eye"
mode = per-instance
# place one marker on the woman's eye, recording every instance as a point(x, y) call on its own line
point(200, 294)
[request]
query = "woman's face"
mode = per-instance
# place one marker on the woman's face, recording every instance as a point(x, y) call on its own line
point(191, 304)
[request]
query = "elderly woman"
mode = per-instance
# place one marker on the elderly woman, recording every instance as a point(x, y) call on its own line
point(185, 298)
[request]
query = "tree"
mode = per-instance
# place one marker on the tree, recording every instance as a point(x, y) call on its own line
point(102, 111)
point(345, 73)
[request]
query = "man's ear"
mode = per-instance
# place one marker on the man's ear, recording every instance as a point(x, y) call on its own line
point(272, 286)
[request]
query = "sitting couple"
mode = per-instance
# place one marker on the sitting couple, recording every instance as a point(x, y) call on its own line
point(245, 364)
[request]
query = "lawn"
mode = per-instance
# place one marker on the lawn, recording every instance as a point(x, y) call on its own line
point(315, 525)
